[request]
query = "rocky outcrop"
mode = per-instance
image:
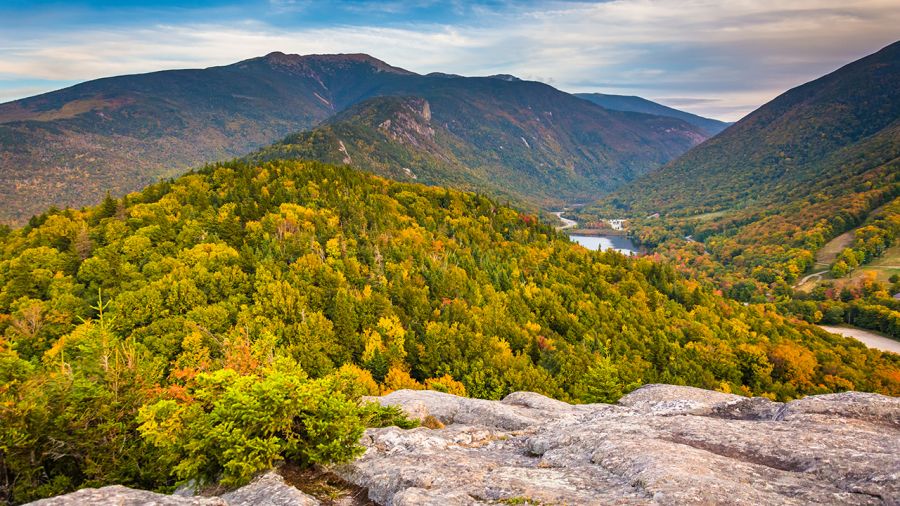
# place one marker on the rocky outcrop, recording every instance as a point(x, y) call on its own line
point(661, 445)
point(124, 496)
point(266, 490)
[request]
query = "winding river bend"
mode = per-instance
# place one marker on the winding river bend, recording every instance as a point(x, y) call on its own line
point(619, 243)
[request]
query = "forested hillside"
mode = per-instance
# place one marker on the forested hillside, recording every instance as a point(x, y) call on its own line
point(69, 147)
point(132, 332)
point(767, 193)
point(813, 138)
point(750, 209)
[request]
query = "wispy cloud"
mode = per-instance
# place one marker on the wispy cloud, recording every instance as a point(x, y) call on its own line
point(719, 58)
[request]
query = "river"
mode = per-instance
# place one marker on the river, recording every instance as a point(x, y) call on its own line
point(567, 223)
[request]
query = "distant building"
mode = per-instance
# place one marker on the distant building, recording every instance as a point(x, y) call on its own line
point(617, 224)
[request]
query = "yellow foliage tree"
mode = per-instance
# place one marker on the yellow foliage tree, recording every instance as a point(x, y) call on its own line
point(398, 378)
point(354, 381)
point(793, 363)
point(446, 384)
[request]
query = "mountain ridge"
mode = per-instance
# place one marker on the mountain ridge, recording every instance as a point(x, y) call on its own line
point(634, 103)
point(117, 134)
point(801, 138)
point(528, 158)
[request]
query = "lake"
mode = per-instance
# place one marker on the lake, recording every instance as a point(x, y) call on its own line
point(619, 243)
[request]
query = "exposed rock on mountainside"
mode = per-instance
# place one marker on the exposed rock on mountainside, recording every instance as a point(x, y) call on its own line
point(517, 140)
point(661, 445)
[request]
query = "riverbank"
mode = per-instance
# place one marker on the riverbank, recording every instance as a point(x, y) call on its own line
point(597, 232)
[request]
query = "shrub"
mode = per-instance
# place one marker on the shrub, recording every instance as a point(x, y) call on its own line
point(234, 426)
point(377, 415)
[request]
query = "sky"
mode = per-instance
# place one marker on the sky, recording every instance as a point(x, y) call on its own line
point(716, 58)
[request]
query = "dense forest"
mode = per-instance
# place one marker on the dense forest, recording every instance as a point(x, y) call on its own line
point(210, 326)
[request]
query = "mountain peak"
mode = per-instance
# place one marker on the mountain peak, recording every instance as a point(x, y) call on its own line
point(338, 59)
point(505, 77)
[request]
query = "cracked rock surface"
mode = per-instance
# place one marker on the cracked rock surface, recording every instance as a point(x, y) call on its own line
point(661, 444)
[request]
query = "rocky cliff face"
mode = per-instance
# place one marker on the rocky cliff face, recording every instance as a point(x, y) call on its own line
point(661, 445)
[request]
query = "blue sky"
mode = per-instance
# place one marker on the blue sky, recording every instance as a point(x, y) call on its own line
point(719, 59)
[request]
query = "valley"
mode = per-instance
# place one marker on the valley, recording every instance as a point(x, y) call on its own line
point(794, 205)
point(325, 279)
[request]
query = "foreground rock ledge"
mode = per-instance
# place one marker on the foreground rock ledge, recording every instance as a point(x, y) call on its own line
point(266, 490)
point(660, 445)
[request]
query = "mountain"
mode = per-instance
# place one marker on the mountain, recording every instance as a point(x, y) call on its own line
point(801, 142)
point(209, 326)
point(485, 134)
point(69, 147)
point(768, 192)
point(638, 104)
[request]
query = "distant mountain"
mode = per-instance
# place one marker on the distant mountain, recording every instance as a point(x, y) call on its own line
point(69, 147)
point(483, 134)
point(638, 104)
point(825, 134)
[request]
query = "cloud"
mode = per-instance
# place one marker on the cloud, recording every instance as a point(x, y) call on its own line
point(721, 59)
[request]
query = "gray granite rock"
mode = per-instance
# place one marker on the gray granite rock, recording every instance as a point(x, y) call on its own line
point(123, 496)
point(660, 445)
point(266, 490)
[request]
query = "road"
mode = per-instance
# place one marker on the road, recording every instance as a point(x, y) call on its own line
point(867, 337)
point(567, 223)
point(810, 276)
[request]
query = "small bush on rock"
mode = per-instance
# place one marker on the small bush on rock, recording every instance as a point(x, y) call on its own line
point(233, 426)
